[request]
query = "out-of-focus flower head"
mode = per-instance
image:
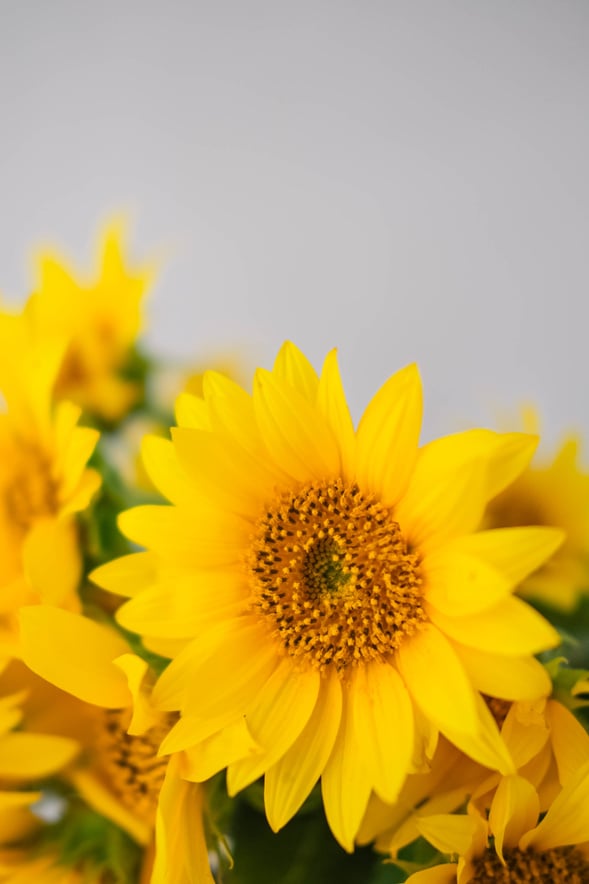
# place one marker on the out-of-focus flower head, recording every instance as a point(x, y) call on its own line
point(103, 690)
point(100, 318)
point(44, 478)
point(551, 492)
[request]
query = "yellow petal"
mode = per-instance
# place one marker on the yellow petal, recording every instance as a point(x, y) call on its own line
point(75, 654)
point(128, 575)
point(75, 458)
point(52, 561)
point(509, 628)
point(457, 583)
point(26, 756)
point(436, 680)
point(181, 606)
point(204, 537)
point(346, 783)
point(515, 552)
point(191, 411)
point(448, 833)
point(441, 504)
point(383, 718)
point(224, 471)
point(388, 436)
point(444, 874)
point(181, 851)
point(569, 739)
point(514, 810)
point(80, 498)
point(232, 413)
point(275, 718)
point(567, 819)
point(525, 731)
point(454, 478)
point(511, 678)
point(229, 664)
point(485, 744)
point(136, 672)
point(163, 468)
point(292, 366)
point(295, 432)
point(331, 401)
point(230, 744)
point(290, 780)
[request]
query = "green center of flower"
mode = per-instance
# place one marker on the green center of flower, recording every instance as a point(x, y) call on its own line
point(332, 573)
point(564, 865)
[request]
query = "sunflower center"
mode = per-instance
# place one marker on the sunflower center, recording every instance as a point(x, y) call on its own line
point(131, 764)
point(332, 572)
point(31, 492)
point(563, 865)
point(74, 371)
point(499, 708)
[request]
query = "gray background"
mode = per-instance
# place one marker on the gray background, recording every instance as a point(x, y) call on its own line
point(405, 180)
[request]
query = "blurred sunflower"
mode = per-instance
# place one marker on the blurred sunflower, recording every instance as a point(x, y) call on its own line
point(553, 493)
point(44, 479)
point(328, 606)
point(101, 320)
point(96, 691)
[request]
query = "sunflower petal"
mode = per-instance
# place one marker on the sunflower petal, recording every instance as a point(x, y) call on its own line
point(388, 436)
point(289, 781)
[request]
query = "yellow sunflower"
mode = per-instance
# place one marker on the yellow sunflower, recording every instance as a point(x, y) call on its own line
point(44, 479)
point(96, 691)
point(25, 759)
point(552, 492)
point(327, 604)
point(548, 746)
point(554, 849)
point(101, 319)
point(19, 867)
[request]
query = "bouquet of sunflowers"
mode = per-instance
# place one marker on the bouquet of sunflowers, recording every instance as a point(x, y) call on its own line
point(269, 645)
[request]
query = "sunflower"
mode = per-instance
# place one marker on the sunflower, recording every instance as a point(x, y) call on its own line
point(92, 688)
point(101, 319)
point(552, 492)
point(44, 478)
point(320, 588)
point(548, 746)
point(25, 758)
point(554, 849)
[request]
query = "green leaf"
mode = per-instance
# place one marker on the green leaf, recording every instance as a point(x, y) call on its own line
point(304, 852)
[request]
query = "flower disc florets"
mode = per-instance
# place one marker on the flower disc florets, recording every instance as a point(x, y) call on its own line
point(332, 572)
point(563, 865)
point(131, 763)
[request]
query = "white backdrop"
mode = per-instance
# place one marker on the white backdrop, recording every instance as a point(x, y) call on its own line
point(405, 180)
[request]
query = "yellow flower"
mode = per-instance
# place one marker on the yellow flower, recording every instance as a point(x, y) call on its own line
point(548, 746)
point(106, 707)
point(552, 493)
point(553, 850)
point(25, 758)
point(19, 867)
point(326, 602)
point(101, 320)
point(44, 480)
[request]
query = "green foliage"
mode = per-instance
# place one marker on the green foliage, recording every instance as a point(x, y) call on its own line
point(84, 839)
